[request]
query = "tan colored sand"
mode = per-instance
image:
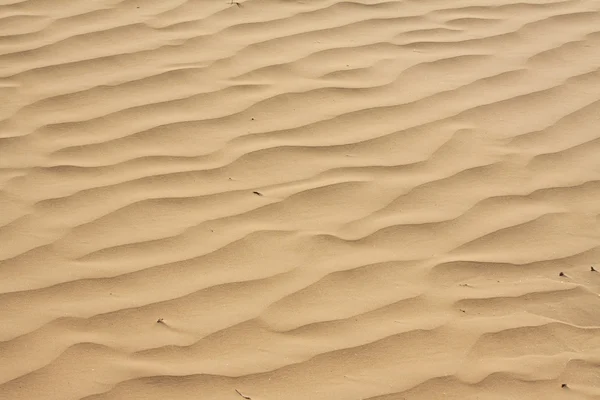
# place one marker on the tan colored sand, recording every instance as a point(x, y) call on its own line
point(319, 199)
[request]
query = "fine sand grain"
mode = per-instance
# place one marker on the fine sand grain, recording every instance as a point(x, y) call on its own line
point(299, 199)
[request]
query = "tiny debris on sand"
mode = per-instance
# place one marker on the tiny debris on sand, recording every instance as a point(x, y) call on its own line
point(244, 396)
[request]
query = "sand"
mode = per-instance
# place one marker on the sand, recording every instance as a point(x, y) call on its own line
point(299, 199)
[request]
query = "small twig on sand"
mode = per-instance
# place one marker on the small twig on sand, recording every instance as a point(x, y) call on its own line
point(160, 321)
point(258, 193)
point(245, 397)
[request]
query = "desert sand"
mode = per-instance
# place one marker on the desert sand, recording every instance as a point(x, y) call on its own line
point(299, 199)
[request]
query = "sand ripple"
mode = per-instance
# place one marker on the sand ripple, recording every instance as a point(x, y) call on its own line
point(314, 199)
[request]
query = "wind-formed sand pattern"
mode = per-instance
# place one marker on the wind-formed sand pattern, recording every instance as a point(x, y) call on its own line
point(299, 199)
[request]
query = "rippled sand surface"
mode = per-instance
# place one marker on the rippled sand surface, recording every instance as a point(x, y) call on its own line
point(299, 200)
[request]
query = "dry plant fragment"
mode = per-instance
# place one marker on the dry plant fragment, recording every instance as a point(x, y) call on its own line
point(160, 321)
point(245, 397)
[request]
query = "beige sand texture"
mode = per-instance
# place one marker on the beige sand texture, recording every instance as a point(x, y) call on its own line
point(319, 199)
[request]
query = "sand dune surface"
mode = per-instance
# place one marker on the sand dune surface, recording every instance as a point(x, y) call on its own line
point(299, 199)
